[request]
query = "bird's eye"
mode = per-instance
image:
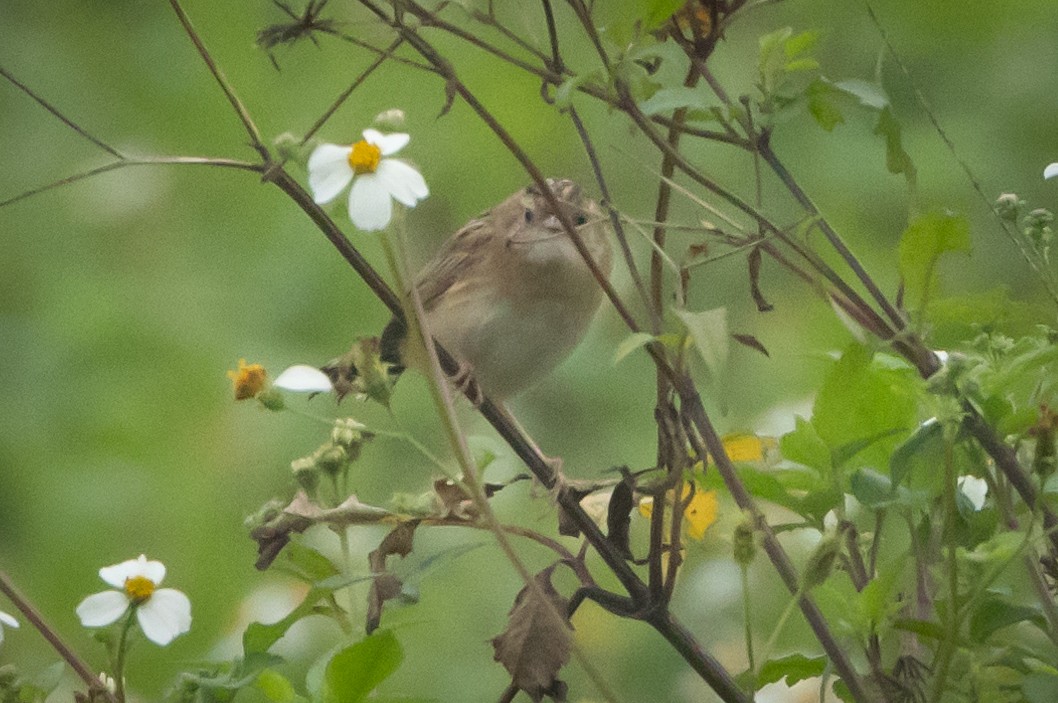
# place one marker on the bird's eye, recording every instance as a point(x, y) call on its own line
point(528, 215)
point(581, 220)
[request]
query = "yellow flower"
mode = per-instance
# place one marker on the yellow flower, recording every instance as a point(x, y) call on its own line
point(248, 380)
point(699, 514)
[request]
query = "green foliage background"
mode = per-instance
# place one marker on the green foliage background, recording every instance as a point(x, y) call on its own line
point(124, 298)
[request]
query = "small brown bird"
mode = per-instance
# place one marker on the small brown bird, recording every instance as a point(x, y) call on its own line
point(509, 295)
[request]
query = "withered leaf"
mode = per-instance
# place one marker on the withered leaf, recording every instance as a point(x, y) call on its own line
point(567, 527)
point(752, 342)
point(455, 501)
point(538, 639)
point(386, 585)
point(398, 541)
point(619, 516)
point(754, 282)
point(273, 533)
point(362, 372)
point(383, 587)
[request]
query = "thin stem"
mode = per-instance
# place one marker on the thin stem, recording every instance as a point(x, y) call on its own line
point(218, 75)
point(706, 442)
point(769, 646)
point(747, 612)
point(1041, 274)
point(357, 82)
point(951, 614)
point(615, 218)
point(769, 156)
point(442, 396)
point(59, 115)
point(119, 658)
point(428, 52)
point(115, 165)
point(30, 612)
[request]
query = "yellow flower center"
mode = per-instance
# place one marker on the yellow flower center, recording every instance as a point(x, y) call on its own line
point(364, 157)
point(139, 588)
point(248, 380)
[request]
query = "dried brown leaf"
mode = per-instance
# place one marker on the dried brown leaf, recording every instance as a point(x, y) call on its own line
point(537, 641)
point(386, 585)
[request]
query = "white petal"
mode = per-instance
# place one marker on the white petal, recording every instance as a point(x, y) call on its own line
point(403, 182)
point(7, 620)
point(102, 608)
point(370, 208)
point(304, 379)
point(117, 574)
point(387, 143)
point(1051, 171)
point(329, 172)
point(165, 615)
point(975, 489)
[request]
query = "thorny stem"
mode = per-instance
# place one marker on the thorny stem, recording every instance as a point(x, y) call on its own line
point(30, 612)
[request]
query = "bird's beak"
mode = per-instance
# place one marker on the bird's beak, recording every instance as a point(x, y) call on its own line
point(552, 223)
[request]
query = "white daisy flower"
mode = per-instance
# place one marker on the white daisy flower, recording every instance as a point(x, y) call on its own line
point(376, 180)
point(163, 613)
point(1051, 171)
point(975, 489)
point(302, 378)
point(7, 620)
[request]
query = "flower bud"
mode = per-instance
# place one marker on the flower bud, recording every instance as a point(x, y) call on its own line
point(347, 432)
point(1038, 226)
point(271, 399)
point(304, 470)
point(745, 542)
point(331, 458)
point(821, 563)
point(390, 120)
point(1008, 205)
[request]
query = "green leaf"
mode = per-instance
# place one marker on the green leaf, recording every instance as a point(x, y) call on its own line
point(897, 160)
point(1040, 687)
point(871, 488)
point(564, 92)
point(708, 331)
point(357, 670)
point(922, 244)
point(801, 43)
point(258, 637)
point(276, 687)
point(629, 345)
point(922, 449)
point(869, 94)
point(658, 12)
point(805, 446)
point(922, 628)
point(876, 598)
point(804, 64)
point(821, 104)
point(861, 400)
point(792, 668)
point(669, 99)
point(994, 614)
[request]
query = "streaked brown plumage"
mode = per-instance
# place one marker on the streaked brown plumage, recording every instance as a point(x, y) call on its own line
point(508, 294)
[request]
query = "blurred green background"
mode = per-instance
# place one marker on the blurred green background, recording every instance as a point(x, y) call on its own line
point(125, 297)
